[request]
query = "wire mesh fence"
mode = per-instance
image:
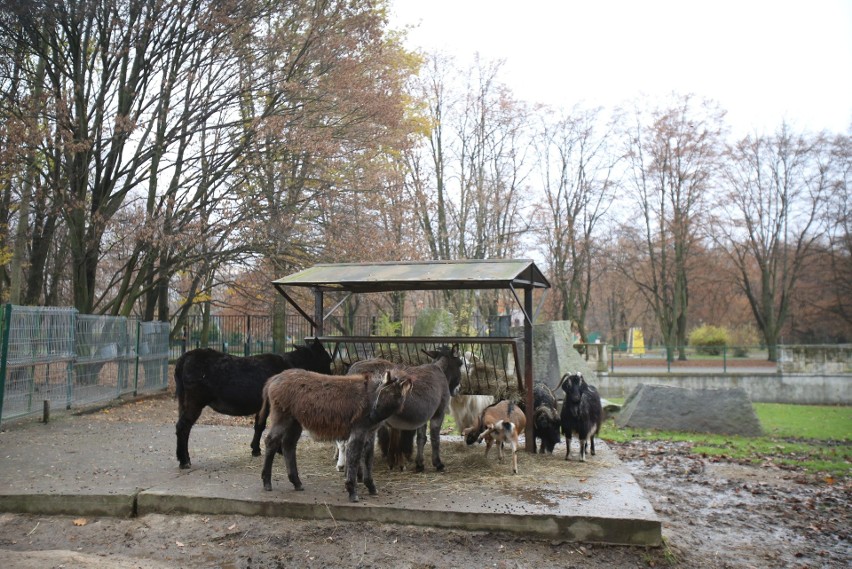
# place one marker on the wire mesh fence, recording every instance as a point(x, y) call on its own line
point(57, 357)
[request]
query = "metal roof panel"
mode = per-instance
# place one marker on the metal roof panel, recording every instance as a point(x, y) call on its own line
point(419, 275)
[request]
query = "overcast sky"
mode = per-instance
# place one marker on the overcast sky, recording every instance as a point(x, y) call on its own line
point(762, 61)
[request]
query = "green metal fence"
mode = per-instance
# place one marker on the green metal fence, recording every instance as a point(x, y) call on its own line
point(716, 359)
point(67, 360)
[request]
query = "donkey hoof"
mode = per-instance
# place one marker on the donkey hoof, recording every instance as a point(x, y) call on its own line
point(439, 467)
point(419, 468)
point(267, 486)
point(185, 465)
point(371, 487)
point(354, 498)
point(255, 452)
point(299, 488)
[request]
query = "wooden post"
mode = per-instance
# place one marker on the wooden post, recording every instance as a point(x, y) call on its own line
point(45, 418)
point(318, 312)
point(528, 366)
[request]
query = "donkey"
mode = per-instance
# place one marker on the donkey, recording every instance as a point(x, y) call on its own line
point(432, 386)
point(330, 407)
point(376, 367)
point(233, 385)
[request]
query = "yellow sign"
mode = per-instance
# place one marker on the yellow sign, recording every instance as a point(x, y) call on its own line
point(637, 342)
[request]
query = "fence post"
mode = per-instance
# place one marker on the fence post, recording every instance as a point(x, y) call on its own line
point(724, 359)
point(72, 365)
point(136, 367)
point(247, 348)
point(4, 353)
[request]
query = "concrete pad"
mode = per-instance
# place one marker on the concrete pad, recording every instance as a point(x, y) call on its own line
point(122, 469)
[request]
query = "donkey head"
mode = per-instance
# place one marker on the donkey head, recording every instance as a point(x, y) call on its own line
point(389, 397)
point(448, 358)
point(311, 357)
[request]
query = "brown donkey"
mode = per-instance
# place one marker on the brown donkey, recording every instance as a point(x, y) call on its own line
point(330, 407)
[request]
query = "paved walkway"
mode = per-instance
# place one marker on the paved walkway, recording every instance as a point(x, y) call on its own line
point(77, 465)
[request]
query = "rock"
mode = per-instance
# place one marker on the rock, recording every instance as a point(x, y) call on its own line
point(609, 408)
point(718, 411)
point(554, 355)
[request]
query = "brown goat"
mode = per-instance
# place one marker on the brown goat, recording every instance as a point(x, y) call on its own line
point(500, 423)
point(330, 407)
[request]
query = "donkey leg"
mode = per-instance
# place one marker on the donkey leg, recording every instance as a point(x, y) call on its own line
point(567, 445)
point(340, 454)
point(273, 445)
point(259, 426)
point(435, 434)
point(367, 461)
point(421, 443)
point(354, 451)
point(188, 415)
point(288, 446)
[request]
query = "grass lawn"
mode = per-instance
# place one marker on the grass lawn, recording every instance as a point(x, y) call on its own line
point(814, 437)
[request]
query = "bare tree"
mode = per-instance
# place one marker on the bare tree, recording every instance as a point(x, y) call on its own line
point(470, 175)
point(839, 231)
point(776, 190)
point(672, 155)
point(179, 136)
point(577, 167)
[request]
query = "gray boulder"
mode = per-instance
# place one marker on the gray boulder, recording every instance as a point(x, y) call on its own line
point(718, 411)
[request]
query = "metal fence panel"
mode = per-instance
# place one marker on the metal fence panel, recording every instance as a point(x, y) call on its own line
point(39, 349)
point(66, 359)
point(152, 369)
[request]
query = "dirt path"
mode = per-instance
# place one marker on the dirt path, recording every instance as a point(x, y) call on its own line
point(715, 514)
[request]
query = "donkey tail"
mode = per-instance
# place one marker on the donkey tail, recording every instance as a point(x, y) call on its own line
point(263, 414)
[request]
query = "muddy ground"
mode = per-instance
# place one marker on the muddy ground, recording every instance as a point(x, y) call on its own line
point(715, 514)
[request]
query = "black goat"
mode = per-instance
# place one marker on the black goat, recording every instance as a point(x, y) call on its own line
point(545, 419)
point(581, 412)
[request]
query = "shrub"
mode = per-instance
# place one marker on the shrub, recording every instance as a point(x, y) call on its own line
point(387, 327)
point(710, 340)
point(742, 338)
point(434, 322)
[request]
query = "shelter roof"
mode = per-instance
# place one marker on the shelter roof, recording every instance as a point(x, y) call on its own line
point(419, 275)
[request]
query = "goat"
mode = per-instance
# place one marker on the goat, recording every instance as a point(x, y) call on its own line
point(331, 408)
point(500, 423)
point(545, 418)
point(466, 409)
point(581, 412)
